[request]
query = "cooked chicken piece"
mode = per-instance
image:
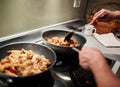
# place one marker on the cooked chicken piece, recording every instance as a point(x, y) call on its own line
point(61, 42)
point(23, 62)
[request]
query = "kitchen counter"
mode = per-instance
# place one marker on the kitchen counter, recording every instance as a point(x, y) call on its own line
point(35, 35)
point(112, 53)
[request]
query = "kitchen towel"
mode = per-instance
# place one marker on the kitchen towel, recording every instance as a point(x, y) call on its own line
point(108, 40)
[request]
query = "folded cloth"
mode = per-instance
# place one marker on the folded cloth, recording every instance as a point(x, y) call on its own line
point(108, 40)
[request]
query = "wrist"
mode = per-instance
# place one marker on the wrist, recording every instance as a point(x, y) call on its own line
point(97, 63)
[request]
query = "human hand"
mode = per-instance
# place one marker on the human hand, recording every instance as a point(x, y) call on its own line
point(101, 14)
point(91, 58)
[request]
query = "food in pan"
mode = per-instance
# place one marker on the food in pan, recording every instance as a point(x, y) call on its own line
point(23, 62)
point(60, 41)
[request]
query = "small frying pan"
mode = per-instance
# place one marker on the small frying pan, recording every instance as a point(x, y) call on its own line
point(61, 33)
point(65, 54)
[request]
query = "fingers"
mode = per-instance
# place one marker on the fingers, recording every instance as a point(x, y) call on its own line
point(98, 15)
point(83, 57)
point(88, 57)
point(82, 60)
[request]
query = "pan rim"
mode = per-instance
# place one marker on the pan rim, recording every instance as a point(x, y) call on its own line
point(62, 30)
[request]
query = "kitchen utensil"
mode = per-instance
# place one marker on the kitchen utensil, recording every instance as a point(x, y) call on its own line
point(68, 36)
point(29, 81)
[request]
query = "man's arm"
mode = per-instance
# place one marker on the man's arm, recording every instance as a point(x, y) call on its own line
point(91, 58)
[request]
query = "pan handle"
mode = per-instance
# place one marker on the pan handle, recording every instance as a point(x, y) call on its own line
point(76, 49)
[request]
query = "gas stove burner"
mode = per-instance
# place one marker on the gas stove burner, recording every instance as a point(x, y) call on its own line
point(67, 72)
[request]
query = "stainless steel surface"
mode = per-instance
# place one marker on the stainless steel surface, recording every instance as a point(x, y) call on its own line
point(75, 28)
point(35, 37)
point(116, 67)
point(92, 42)
point(112, 53)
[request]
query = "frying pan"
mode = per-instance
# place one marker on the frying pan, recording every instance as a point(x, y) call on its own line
point(65, 54)
point(62, 33)
point(29, 81)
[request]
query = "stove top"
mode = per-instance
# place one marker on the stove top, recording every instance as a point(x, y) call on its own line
point(77, 78)
point(69, 74)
